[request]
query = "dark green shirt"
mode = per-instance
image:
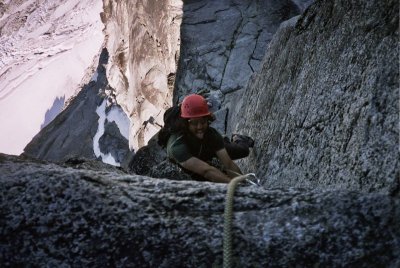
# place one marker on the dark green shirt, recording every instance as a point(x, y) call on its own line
point(181, 147)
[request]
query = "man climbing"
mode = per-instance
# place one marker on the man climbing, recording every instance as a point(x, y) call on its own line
point(193, 143)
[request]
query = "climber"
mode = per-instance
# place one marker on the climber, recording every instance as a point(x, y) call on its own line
point(193, 143)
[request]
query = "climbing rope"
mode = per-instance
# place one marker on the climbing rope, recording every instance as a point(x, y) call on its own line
point(227, 242)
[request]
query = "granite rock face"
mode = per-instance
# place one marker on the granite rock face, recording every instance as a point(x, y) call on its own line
point(63, 215)
point(145, 158)
point(143, 41)
point(303, 4)
point(324, 107)
point(223, 43)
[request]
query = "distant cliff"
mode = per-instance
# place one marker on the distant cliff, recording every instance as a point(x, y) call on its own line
point(143, 39)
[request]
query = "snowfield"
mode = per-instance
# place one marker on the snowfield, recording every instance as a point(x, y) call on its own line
point(48, 50)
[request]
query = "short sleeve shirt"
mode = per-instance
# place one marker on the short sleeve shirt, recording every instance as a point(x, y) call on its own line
point(181, 147)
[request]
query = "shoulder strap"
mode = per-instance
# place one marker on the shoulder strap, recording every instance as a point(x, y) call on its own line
point(171, 116)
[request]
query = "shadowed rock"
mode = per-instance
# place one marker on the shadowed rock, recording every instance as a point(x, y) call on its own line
point(113, 142)
point(71, 133)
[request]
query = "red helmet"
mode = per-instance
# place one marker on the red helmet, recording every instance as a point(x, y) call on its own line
point(194, 106)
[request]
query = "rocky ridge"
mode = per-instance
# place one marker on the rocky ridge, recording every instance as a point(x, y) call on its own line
point(75, 131)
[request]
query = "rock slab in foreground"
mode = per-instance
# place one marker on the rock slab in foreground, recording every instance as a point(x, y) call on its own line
point(60, 215)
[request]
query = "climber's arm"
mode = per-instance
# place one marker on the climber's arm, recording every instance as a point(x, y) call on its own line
point(230, 166)
point(203, 169)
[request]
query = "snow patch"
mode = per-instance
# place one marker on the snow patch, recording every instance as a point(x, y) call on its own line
point(106, 158)
point(117, 115)
point(95, 76)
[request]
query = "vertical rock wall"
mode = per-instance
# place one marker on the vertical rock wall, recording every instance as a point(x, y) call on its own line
point(324, 108)
point(223, 43)
point(143, 39)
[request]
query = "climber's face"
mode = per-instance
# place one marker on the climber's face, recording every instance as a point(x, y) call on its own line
point(198, 126)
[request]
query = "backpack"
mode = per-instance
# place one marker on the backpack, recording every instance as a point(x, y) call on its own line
point(171, 118)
